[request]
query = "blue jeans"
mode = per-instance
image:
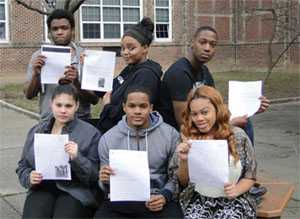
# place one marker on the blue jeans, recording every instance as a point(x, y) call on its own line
point(249, 131)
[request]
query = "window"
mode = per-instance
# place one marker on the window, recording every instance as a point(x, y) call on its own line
point(163, 20)
point(106, 20)
point(3, 21)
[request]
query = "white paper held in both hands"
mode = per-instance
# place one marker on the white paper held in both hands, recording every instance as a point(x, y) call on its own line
point(57, 58)
point(51, 160)
point(208, 163)
point(131, 181)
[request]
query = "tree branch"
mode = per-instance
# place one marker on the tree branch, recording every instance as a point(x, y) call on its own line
point(75, 5)
point(280, 55)
point(67, 5)
point(30, 7)
point(46, 6)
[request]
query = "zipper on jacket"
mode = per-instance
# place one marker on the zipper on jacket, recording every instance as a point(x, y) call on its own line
point(137, 139)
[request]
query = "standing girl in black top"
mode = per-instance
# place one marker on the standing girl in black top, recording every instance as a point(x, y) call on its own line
point(140, 71)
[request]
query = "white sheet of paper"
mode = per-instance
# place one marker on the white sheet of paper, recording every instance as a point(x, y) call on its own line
point(131, 181)
point(243, 97)
point(208, 162)
point(57, 58)
point(50, 157)
point(98, 70)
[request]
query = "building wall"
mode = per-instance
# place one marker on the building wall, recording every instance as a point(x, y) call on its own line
point(242, 37)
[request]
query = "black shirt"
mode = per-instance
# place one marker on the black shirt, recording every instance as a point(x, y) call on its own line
point(177, 83)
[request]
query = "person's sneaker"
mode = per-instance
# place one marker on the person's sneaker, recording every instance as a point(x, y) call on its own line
point(258, 191)
point(258, 200)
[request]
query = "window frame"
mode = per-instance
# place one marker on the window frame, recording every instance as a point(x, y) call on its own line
point(46, 38)
point(101, 22)
point(6, 39)
point(169, 39)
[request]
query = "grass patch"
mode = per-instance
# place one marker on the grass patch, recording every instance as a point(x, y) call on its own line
point(280, 85)
point(13, 93)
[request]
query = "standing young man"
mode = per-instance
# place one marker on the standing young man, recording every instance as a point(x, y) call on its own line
point(142, 130)
point(189, 72)
point(61, 26)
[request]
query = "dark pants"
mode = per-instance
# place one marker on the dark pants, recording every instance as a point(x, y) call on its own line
point(47, 201)
point(136, 210)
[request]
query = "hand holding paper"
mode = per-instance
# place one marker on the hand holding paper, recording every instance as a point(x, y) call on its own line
point(264, 104)
point(35, 178)
point(72, 149)
point(105, 173)
point(231, 191)
point(37, 65)
point(156, 203)
point(183, 150)
point(71, 73)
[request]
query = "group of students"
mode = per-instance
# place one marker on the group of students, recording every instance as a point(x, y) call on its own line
point(143, 113)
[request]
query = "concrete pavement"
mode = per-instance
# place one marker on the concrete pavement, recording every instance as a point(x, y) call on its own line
point(277, 143)
point(277, 137)
point(14, 127)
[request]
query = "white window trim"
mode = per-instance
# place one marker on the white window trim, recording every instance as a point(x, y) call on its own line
point(46, 38)
point(6, 40)
point(107, 22)
point(169, 39)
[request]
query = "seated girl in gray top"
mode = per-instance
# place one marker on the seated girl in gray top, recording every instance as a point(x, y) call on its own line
point(62, 198)
point(207, 117)
point(142, 130)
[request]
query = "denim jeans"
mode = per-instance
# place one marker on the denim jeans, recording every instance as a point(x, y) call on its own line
point(249, 131)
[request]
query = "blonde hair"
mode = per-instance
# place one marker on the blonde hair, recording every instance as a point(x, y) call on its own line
point(221, 128)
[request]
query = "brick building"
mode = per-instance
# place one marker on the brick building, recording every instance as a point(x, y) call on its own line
point(243, 33)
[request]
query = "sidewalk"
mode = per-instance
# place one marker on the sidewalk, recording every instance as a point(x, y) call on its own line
point(277, 136)
point(14, 127)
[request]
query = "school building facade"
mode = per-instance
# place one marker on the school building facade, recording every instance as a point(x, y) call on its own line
point(243, 32)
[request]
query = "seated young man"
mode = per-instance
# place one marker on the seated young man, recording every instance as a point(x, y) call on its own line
point(142, 130)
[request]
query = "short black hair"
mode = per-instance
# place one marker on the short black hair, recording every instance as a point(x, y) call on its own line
point(205, 28)
point(60, 14)
point(65, 87)
point(137, 89)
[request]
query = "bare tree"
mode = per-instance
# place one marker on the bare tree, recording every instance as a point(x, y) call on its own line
point(47, 6)
point(285, 28)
